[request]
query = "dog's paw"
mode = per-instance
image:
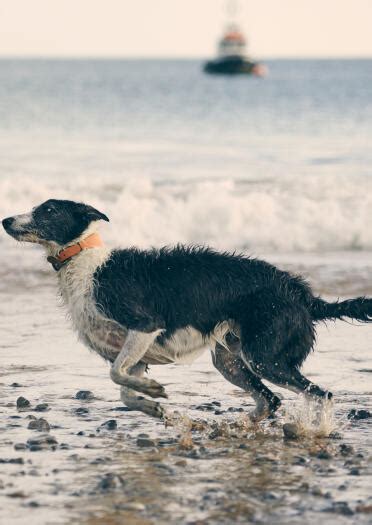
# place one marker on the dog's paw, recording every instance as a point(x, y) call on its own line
point(154, 389)
point(154, 409)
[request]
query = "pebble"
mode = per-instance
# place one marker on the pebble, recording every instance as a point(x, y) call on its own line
point(17, 494)
point(299, 460)
point(216, 433)
point(194, 454)
point(42, 407)
point(86, 395)
point(335, 435)
point(324, 454)
point(42, 443)
point(291, 431)
point(110, 481)
point(111, 424)
point(166, 442)
point(13, 461)
point(145, 442)
point(340, 507)
point(181, 463)
point(22, 402)
point(15, 385)
point(354, 472)
point(359, 414)
point(20, 446)
point(81, 411)
point(206, 407)
point(346, 450)
point(41, 425)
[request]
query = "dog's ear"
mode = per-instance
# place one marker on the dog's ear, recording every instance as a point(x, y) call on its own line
point(95, 215)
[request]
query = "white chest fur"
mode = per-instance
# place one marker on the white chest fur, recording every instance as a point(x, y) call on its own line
point(76, 286)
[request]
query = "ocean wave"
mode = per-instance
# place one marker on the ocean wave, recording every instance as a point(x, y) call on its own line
point(306, 214)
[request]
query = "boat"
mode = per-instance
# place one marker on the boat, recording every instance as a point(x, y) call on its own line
point(232, 58)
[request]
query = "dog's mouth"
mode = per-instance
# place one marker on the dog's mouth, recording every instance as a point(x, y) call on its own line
point(20, 232)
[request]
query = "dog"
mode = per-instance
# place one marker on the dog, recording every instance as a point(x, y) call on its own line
point(137, 308)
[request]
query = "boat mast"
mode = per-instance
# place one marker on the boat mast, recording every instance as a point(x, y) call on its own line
point(232, 8)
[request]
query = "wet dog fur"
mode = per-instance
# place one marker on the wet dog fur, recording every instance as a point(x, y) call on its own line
point(139, 307)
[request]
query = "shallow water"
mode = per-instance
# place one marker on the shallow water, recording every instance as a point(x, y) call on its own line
point(210, 465)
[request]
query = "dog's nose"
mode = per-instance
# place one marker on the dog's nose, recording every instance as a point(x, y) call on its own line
point(8, 222)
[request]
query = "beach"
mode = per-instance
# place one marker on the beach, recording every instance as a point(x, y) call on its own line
point(277, 169)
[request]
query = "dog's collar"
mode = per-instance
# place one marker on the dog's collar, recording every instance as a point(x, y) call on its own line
point(64, 256)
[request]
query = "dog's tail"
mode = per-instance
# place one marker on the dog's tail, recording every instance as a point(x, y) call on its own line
point(359, 309)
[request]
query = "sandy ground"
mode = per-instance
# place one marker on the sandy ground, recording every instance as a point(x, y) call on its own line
point(98, 463)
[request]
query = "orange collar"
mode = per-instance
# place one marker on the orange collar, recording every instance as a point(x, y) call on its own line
point(92, 241)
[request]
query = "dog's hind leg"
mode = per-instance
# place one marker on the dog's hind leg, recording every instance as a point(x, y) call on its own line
point(135, 347)
point(277, 350)
point(232, 367)
point(132, 400)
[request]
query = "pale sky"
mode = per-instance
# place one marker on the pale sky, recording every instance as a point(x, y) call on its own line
point(183, 28)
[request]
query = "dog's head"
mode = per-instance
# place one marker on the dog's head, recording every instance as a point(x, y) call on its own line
point(55, 223)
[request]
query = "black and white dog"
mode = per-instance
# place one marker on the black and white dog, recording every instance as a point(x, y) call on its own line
point(137, 308)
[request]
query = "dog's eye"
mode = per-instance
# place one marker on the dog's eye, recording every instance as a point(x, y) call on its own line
point(50, 210)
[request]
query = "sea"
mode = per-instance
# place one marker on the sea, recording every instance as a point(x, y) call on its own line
point(278, 168)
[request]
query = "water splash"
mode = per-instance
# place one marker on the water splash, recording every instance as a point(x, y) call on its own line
point(312, 417)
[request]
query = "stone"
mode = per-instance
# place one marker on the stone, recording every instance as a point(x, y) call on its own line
point(340, 507)
point(45, 442)
point(110, 481)
point(291, 431)
point(81, 411)
point(42, 407)
point(324, 454)
point(20, 446)
point(346, 450)
point(359, 414)
point(40, 425)
point(145, 442)
point(85, 395)
point(22, 402)
point(111, 424)
point(13, 461)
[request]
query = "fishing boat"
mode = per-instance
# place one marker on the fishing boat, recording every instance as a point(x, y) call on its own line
point(232, 58)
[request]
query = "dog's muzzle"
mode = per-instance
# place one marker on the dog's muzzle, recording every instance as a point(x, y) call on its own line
point(7, 223)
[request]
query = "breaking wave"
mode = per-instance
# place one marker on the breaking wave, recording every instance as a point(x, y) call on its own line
point(307, 214)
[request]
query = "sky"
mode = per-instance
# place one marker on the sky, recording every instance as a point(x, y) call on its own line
point(183, 28)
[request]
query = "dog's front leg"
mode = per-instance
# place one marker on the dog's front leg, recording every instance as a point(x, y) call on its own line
point(132, 400)
point(135, 347)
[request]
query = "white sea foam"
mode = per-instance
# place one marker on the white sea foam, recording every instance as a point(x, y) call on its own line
point(286, 215)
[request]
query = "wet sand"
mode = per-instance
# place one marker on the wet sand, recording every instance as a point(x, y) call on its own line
point(98, 463)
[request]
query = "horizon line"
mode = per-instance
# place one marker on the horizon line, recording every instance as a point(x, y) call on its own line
point(177, 57)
